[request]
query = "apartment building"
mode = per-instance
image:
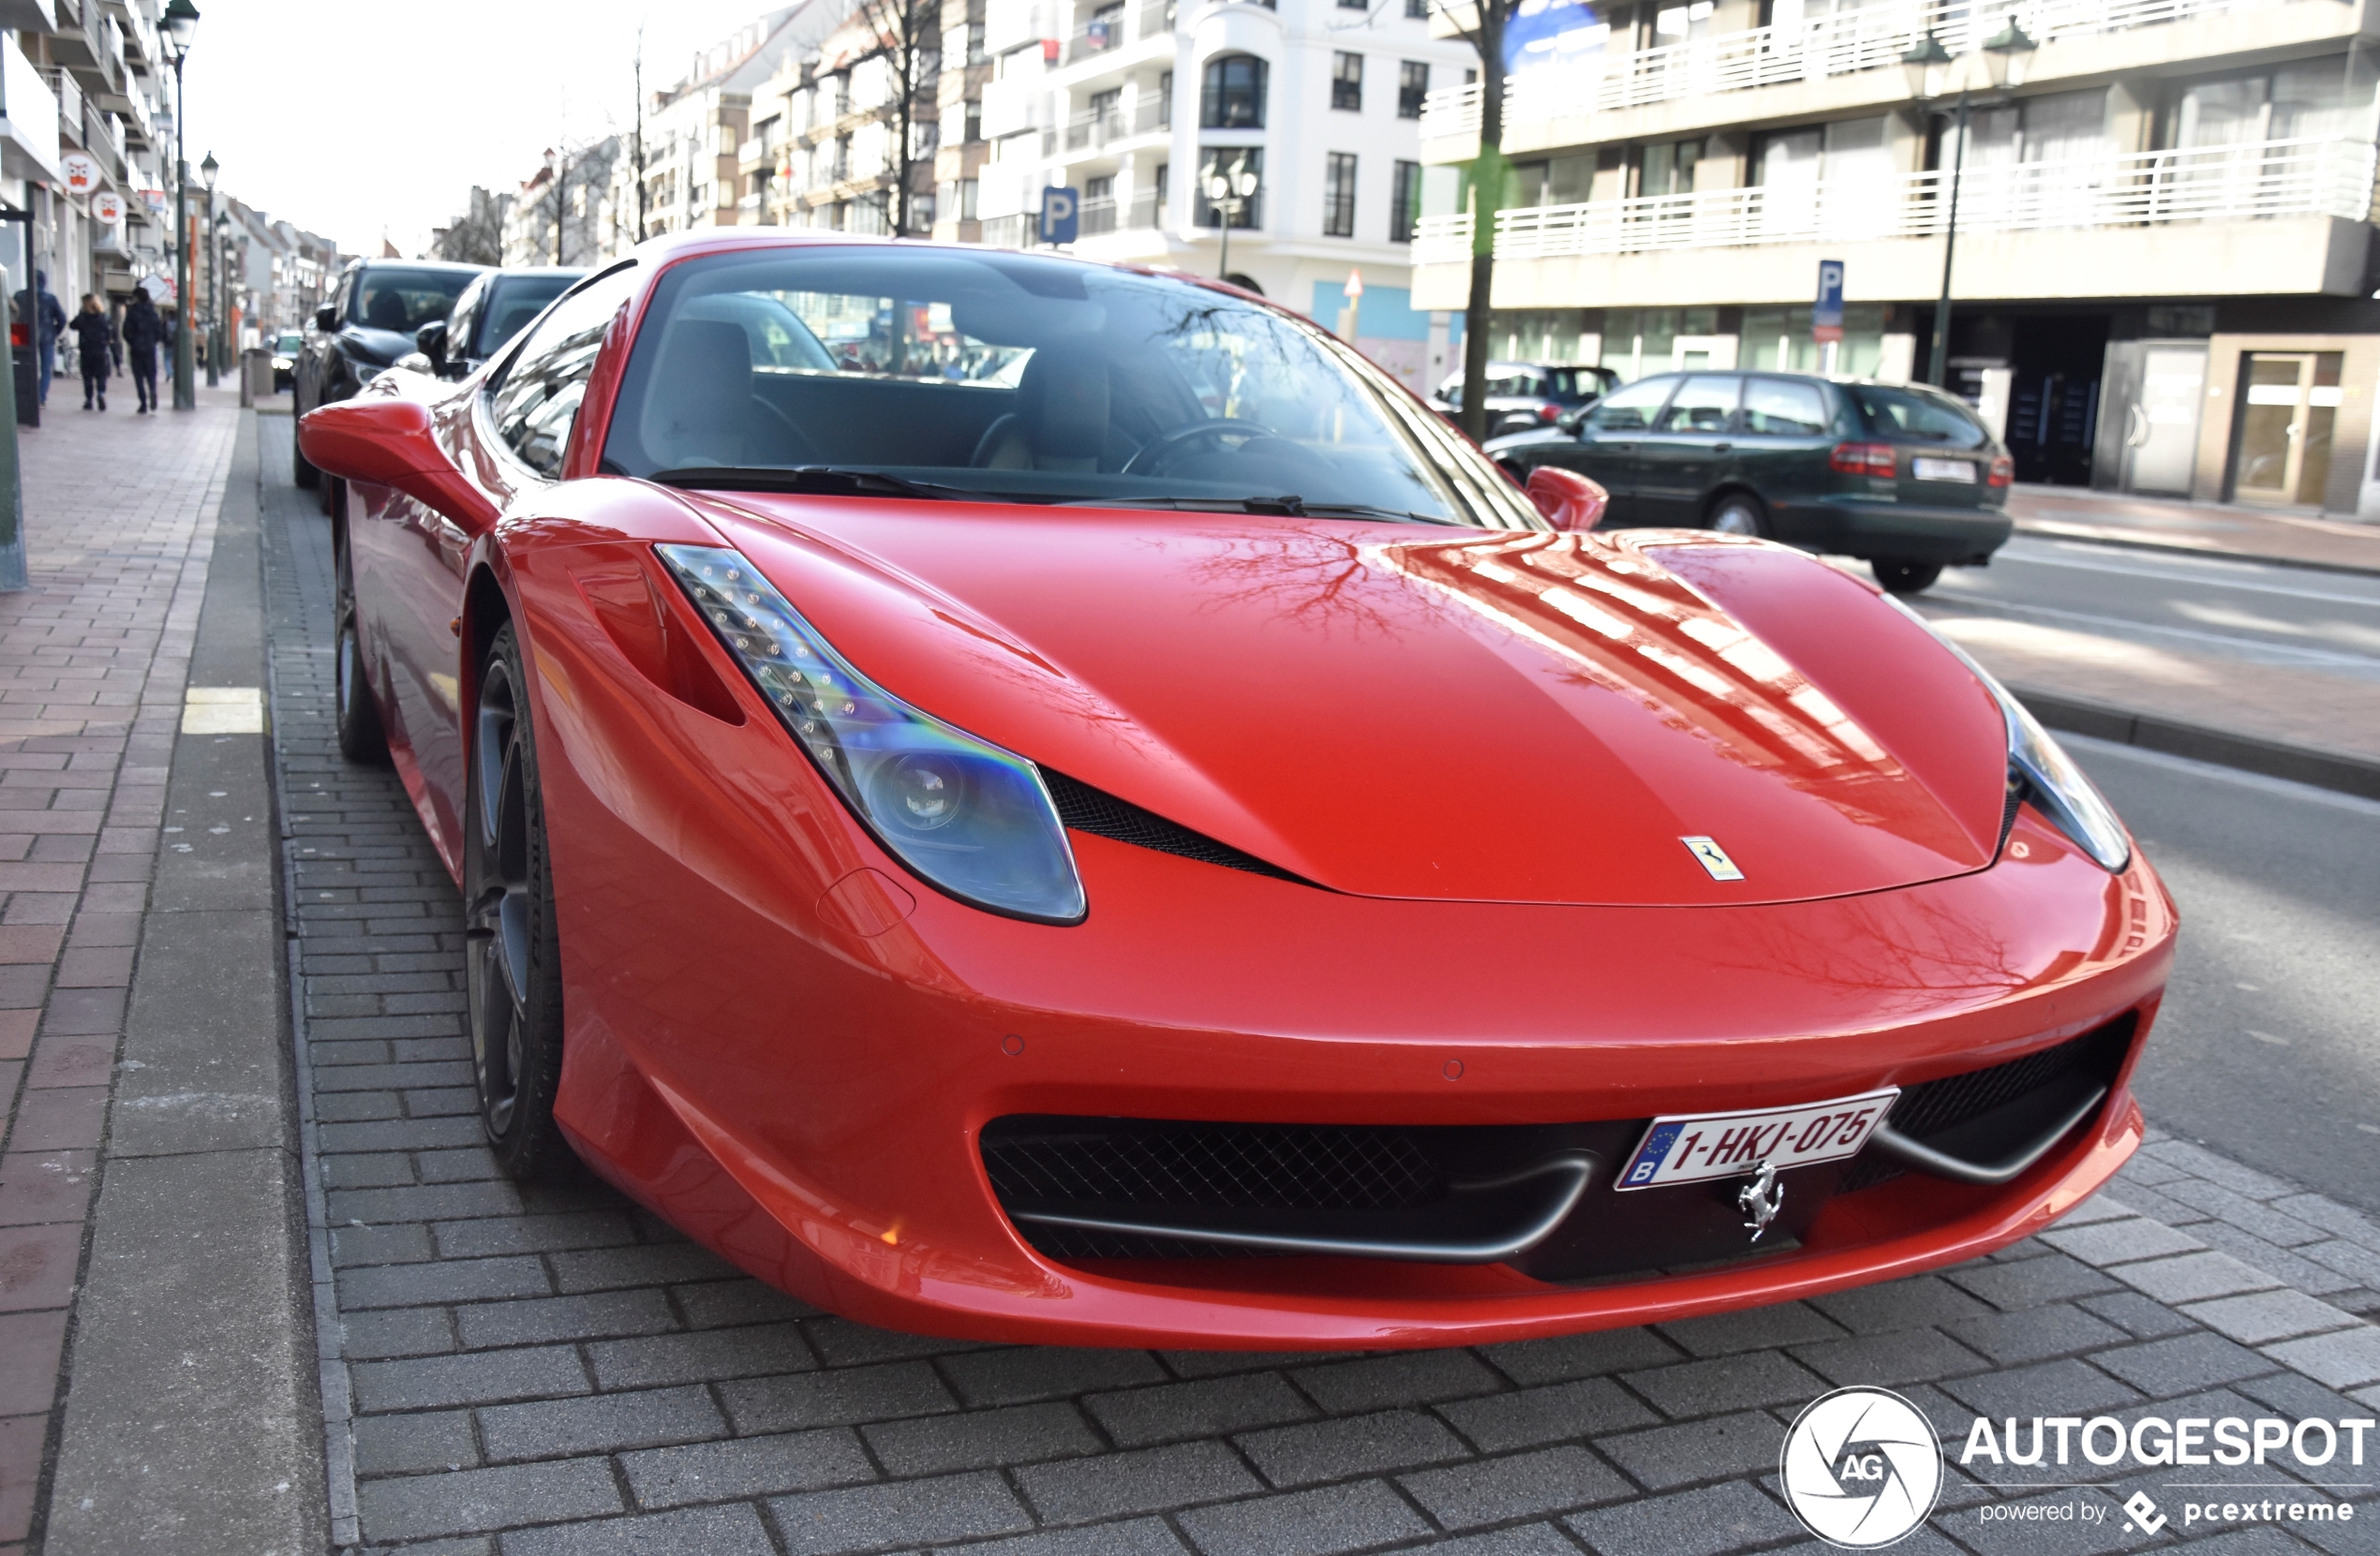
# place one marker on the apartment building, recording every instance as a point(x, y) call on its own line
point(1314, 105)
point(827, 146)
point(2164, 268)
point(559, 216)
point(684, 155)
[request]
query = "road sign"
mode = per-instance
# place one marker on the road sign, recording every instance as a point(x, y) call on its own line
point(81, 172)
point(155, 200)
point(1060, 216)
point(1354, 288)
point(1826, 318)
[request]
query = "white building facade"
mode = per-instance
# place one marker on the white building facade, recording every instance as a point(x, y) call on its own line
point(1132, 103)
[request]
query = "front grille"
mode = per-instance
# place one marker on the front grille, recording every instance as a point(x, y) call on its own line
point(1207, 1166)
point(1935, 1108)
point(1095, 810)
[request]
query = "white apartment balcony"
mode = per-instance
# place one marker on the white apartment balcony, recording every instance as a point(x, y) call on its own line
point(1101, 37)
point(1140, 213)
point(2276, 216)
point(1851, 59)
point(28, 119)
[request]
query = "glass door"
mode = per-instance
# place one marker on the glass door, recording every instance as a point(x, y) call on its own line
point(2286, 426)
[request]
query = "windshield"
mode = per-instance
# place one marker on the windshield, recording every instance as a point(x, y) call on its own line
point(405, 299)
point(515, 304)
point(290, 344)
point(958, 373)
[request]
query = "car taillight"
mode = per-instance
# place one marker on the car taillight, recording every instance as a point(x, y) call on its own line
point(1862, 459)
point(1548, 413)
point(2003, 470)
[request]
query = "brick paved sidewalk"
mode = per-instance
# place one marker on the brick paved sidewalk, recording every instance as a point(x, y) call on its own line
point(539, 1372)
point(120, 514)
point(2207, 528)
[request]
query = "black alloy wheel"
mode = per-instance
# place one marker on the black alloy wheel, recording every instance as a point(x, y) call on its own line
point(1739, 514)
point(512, 956)
point(1904, 577)
point(361, 737)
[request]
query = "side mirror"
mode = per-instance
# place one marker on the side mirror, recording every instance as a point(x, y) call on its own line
point(326, 317)
point(1568, 501)
point(414, 361)
point(430, 340)
point(1573, 419)
point(384, 440)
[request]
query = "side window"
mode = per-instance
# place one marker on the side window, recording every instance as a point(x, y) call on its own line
point(537, 399)
point(459, 322)
point(1706, 403)
point(1779, 408)
point(1630, 409)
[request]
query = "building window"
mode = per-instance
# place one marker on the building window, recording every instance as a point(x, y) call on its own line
point(1346, 81)
point(1234, 93)
point(1338, 197)
point(1404, 202)
point(1355, 5)
point(975, 120)
point(1412, 87)
point(1417, 10)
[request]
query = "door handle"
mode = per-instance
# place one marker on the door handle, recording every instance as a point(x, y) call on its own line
point(2136, 433)
point(1722, 448)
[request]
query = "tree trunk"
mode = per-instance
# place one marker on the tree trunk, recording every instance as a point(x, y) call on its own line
point(1487, 195)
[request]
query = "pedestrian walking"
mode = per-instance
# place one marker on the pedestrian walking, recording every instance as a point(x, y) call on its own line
point(143, 332)
point(96, 345)
point(39, 307)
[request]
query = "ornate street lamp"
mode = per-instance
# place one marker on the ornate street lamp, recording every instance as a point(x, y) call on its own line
point(207, 170)
point(1926, 65)
point(1230, 189)
point(176, 28)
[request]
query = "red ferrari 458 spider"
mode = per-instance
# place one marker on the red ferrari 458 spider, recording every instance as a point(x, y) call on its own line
point(1030, 799)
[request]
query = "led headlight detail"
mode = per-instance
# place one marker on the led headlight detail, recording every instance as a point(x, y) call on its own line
point(2056, 786)
point(966, 816)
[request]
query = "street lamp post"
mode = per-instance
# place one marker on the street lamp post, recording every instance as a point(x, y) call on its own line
point(1231, 191)
point(207, 170)
point(179, 25)
point(2000, 54)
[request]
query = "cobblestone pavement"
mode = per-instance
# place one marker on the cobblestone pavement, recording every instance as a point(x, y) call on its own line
point(535, 1373)
point(92, 659)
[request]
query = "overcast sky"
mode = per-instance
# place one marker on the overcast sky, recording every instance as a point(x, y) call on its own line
point(355, 119)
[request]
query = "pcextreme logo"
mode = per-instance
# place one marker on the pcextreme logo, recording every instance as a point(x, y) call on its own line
point(1861, 1468)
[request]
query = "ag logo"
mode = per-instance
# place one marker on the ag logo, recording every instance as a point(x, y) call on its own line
point(1861, 1468)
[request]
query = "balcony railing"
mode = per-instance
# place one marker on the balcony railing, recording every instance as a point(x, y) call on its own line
point(1109, 215)
point(2317, 176)
point(1098, 128)
point(1106, 33)
point(1871, 37)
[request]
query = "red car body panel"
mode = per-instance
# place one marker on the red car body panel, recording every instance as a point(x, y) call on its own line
point(1480, 747)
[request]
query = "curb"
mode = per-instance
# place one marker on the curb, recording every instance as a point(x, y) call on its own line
point(2333, 770)
point(2075, 534)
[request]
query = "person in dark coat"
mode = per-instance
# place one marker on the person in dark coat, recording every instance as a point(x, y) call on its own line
point(143, 332)
point(95, 342)
point(39, 307)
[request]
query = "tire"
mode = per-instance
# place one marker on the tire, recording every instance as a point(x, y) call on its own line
point(1904, 577)
point(512, 954)
point(301, 472)
point(1738, 513)
point(362, 739)
point(328, 490)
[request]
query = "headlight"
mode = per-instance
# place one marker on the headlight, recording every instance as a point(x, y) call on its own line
point(2048, 774)
point(968, 818)
point(365, 372)
point(282, 365)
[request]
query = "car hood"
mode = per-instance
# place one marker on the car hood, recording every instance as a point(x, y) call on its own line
point(379, 346)
point(1408, 712)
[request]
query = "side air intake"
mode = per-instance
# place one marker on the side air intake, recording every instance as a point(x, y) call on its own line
point(1095, 810)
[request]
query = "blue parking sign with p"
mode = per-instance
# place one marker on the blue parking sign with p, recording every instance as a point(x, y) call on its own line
point(1060, 216)
point(1826, 316)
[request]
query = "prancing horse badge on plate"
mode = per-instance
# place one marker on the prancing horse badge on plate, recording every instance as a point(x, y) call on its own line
point(1713, 858)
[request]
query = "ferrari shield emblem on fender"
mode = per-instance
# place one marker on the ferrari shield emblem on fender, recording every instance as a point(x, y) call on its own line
point(1713, 858)
point(1760, 1200)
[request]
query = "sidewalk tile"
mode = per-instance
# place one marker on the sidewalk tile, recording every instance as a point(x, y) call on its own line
point(2348, 1359)
point(746, 1467)
point(922, 1512)
point(1525, 1485)
point(2267, 1316)
point(411, 1506)
point(1117, 1485)
point(1689, 1523)
point(1306, 1523)
point(2193, 1277)
point(2114, 1242)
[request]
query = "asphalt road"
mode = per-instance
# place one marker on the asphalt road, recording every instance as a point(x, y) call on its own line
point(2253, 612)
point(2269, 1045)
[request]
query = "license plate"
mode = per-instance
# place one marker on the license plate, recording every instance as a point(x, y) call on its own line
point(1688, 1147)
point(1942, 469)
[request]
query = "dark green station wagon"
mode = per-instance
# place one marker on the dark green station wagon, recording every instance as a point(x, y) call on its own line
point(1898, 475)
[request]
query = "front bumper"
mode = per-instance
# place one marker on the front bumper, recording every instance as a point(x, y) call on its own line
point(1899, 531)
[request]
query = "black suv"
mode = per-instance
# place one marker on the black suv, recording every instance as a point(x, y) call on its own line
point(368, 323)
point(1522, 395)
point(1898, 475)
point(496, 307)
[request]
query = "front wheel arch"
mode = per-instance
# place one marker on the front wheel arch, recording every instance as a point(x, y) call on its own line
point(1742, 498)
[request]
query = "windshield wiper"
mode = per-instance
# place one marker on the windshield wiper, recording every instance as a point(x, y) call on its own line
point(816, 480)
point(1289, 507)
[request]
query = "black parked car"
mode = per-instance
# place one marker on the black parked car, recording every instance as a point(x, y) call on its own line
point(1898, 475)
point(494, 309)
point(1526, 395)
point(368, 323)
